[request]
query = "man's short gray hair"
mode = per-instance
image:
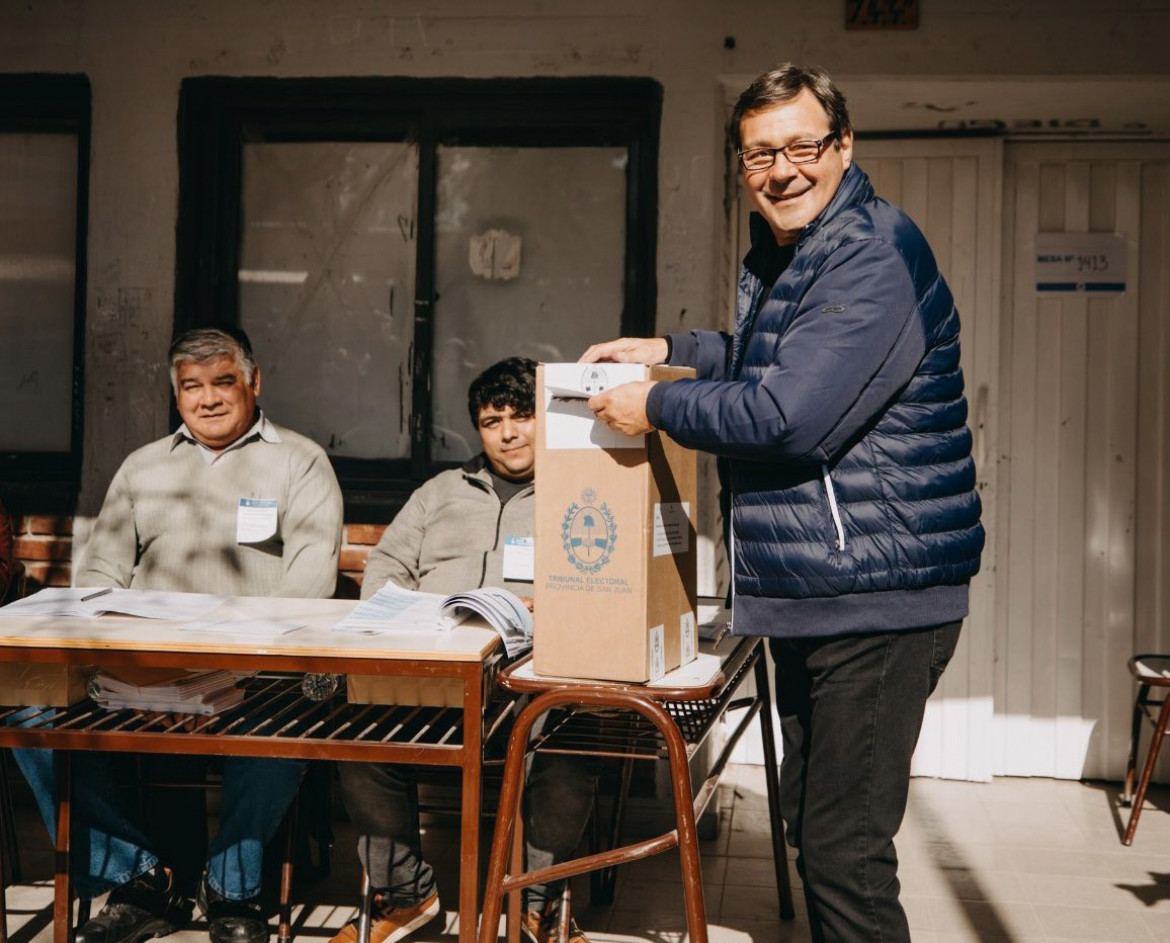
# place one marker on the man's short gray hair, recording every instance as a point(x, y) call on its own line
point(204, 344)
point(782, 84)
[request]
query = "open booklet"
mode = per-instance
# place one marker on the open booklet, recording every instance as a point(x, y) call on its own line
point(393, 609)
point(87, 602)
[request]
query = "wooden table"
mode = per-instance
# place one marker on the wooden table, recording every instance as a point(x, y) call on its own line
point(275, 719)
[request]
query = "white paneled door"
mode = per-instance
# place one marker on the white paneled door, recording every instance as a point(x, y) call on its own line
point(952, 189)
point(1082, 554)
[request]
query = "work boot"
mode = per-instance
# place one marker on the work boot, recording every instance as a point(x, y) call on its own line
point(232, 921)
point(390, 922)
point(543, 927)
point(144, 907)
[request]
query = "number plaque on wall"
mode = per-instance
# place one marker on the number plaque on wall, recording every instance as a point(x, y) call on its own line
point(881, 14)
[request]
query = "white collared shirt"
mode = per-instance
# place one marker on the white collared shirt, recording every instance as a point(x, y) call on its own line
point(261, 429)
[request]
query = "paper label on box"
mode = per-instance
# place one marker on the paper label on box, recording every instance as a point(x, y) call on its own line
point(520, 559)
point(686, 635)
point(672, 528)
point(568, 422)
point(657, 653)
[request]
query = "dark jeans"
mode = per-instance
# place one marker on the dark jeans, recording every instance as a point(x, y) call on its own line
point(112, 842)
point(382, 802)
point(851, 709)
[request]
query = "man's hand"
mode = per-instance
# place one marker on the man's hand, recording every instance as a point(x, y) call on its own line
point(623, 408)
point(647, 350)
point(529, 602)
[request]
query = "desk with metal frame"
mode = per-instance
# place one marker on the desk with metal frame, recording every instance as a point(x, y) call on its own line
point(275, 719)
point(656, 722)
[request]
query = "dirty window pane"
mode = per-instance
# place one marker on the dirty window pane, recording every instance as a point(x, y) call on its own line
point(530, 255)
point(327, 289)
point(38, 231)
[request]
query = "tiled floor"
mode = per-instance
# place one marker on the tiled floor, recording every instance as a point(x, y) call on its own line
point(1016, 860)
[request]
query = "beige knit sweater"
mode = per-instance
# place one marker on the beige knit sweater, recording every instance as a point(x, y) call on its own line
point(169, 520)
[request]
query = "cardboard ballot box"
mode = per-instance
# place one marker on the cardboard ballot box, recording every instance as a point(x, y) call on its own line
point(404, 690)
point(42, 685)
point(615, 535)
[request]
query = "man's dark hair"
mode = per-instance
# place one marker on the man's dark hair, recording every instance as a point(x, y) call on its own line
point(510, 382)
point(784, 83)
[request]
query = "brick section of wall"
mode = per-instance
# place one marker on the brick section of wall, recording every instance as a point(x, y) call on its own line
point(356, 541)
point(363, 534)
point(44, 544)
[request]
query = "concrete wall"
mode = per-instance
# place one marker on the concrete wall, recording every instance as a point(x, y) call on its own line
point(136, 52)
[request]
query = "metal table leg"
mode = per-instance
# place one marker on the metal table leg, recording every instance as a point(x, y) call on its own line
point(772, 778)
point(62, 891)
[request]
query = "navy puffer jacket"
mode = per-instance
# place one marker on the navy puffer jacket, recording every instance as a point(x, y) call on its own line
point(837, 407)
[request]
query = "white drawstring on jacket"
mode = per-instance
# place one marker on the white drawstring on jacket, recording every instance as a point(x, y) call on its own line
point(833, 509)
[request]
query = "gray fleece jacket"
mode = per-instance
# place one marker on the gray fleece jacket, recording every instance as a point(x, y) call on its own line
point(449, 536)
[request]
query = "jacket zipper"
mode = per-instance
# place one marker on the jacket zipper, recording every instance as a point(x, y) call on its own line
point(732, 555)
point(833, 509)
point(495, 543)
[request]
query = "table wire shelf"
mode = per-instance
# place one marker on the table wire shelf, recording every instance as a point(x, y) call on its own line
point(273, 708)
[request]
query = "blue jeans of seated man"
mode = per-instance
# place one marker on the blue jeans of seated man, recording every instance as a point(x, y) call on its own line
point(851, 709)
point(109, 840)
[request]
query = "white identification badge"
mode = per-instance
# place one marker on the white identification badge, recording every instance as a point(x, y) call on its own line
point(255, 520)
point(520, 559)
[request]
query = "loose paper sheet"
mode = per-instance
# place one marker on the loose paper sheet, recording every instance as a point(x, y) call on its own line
point(698, 672)
point(393, 609)
point(254, 628)
point(88, 602)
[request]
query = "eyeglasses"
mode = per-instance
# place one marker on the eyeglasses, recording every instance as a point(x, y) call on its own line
point(798, 152)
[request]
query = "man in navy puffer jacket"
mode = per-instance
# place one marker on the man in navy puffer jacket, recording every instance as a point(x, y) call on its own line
point(836, 409)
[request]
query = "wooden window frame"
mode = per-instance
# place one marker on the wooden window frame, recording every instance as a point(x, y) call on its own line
point(53, 104)
point(219, 115)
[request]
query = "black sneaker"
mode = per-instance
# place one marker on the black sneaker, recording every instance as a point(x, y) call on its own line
point(146, 907)
point(233, 921)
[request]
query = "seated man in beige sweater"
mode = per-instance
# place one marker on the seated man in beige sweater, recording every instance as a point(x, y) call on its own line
point(173, 519)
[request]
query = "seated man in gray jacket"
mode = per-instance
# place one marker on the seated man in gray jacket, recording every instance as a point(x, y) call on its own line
point(452, 534)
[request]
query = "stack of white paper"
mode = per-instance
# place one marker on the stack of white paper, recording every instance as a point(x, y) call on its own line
point(501, 609)
point(166, 689)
